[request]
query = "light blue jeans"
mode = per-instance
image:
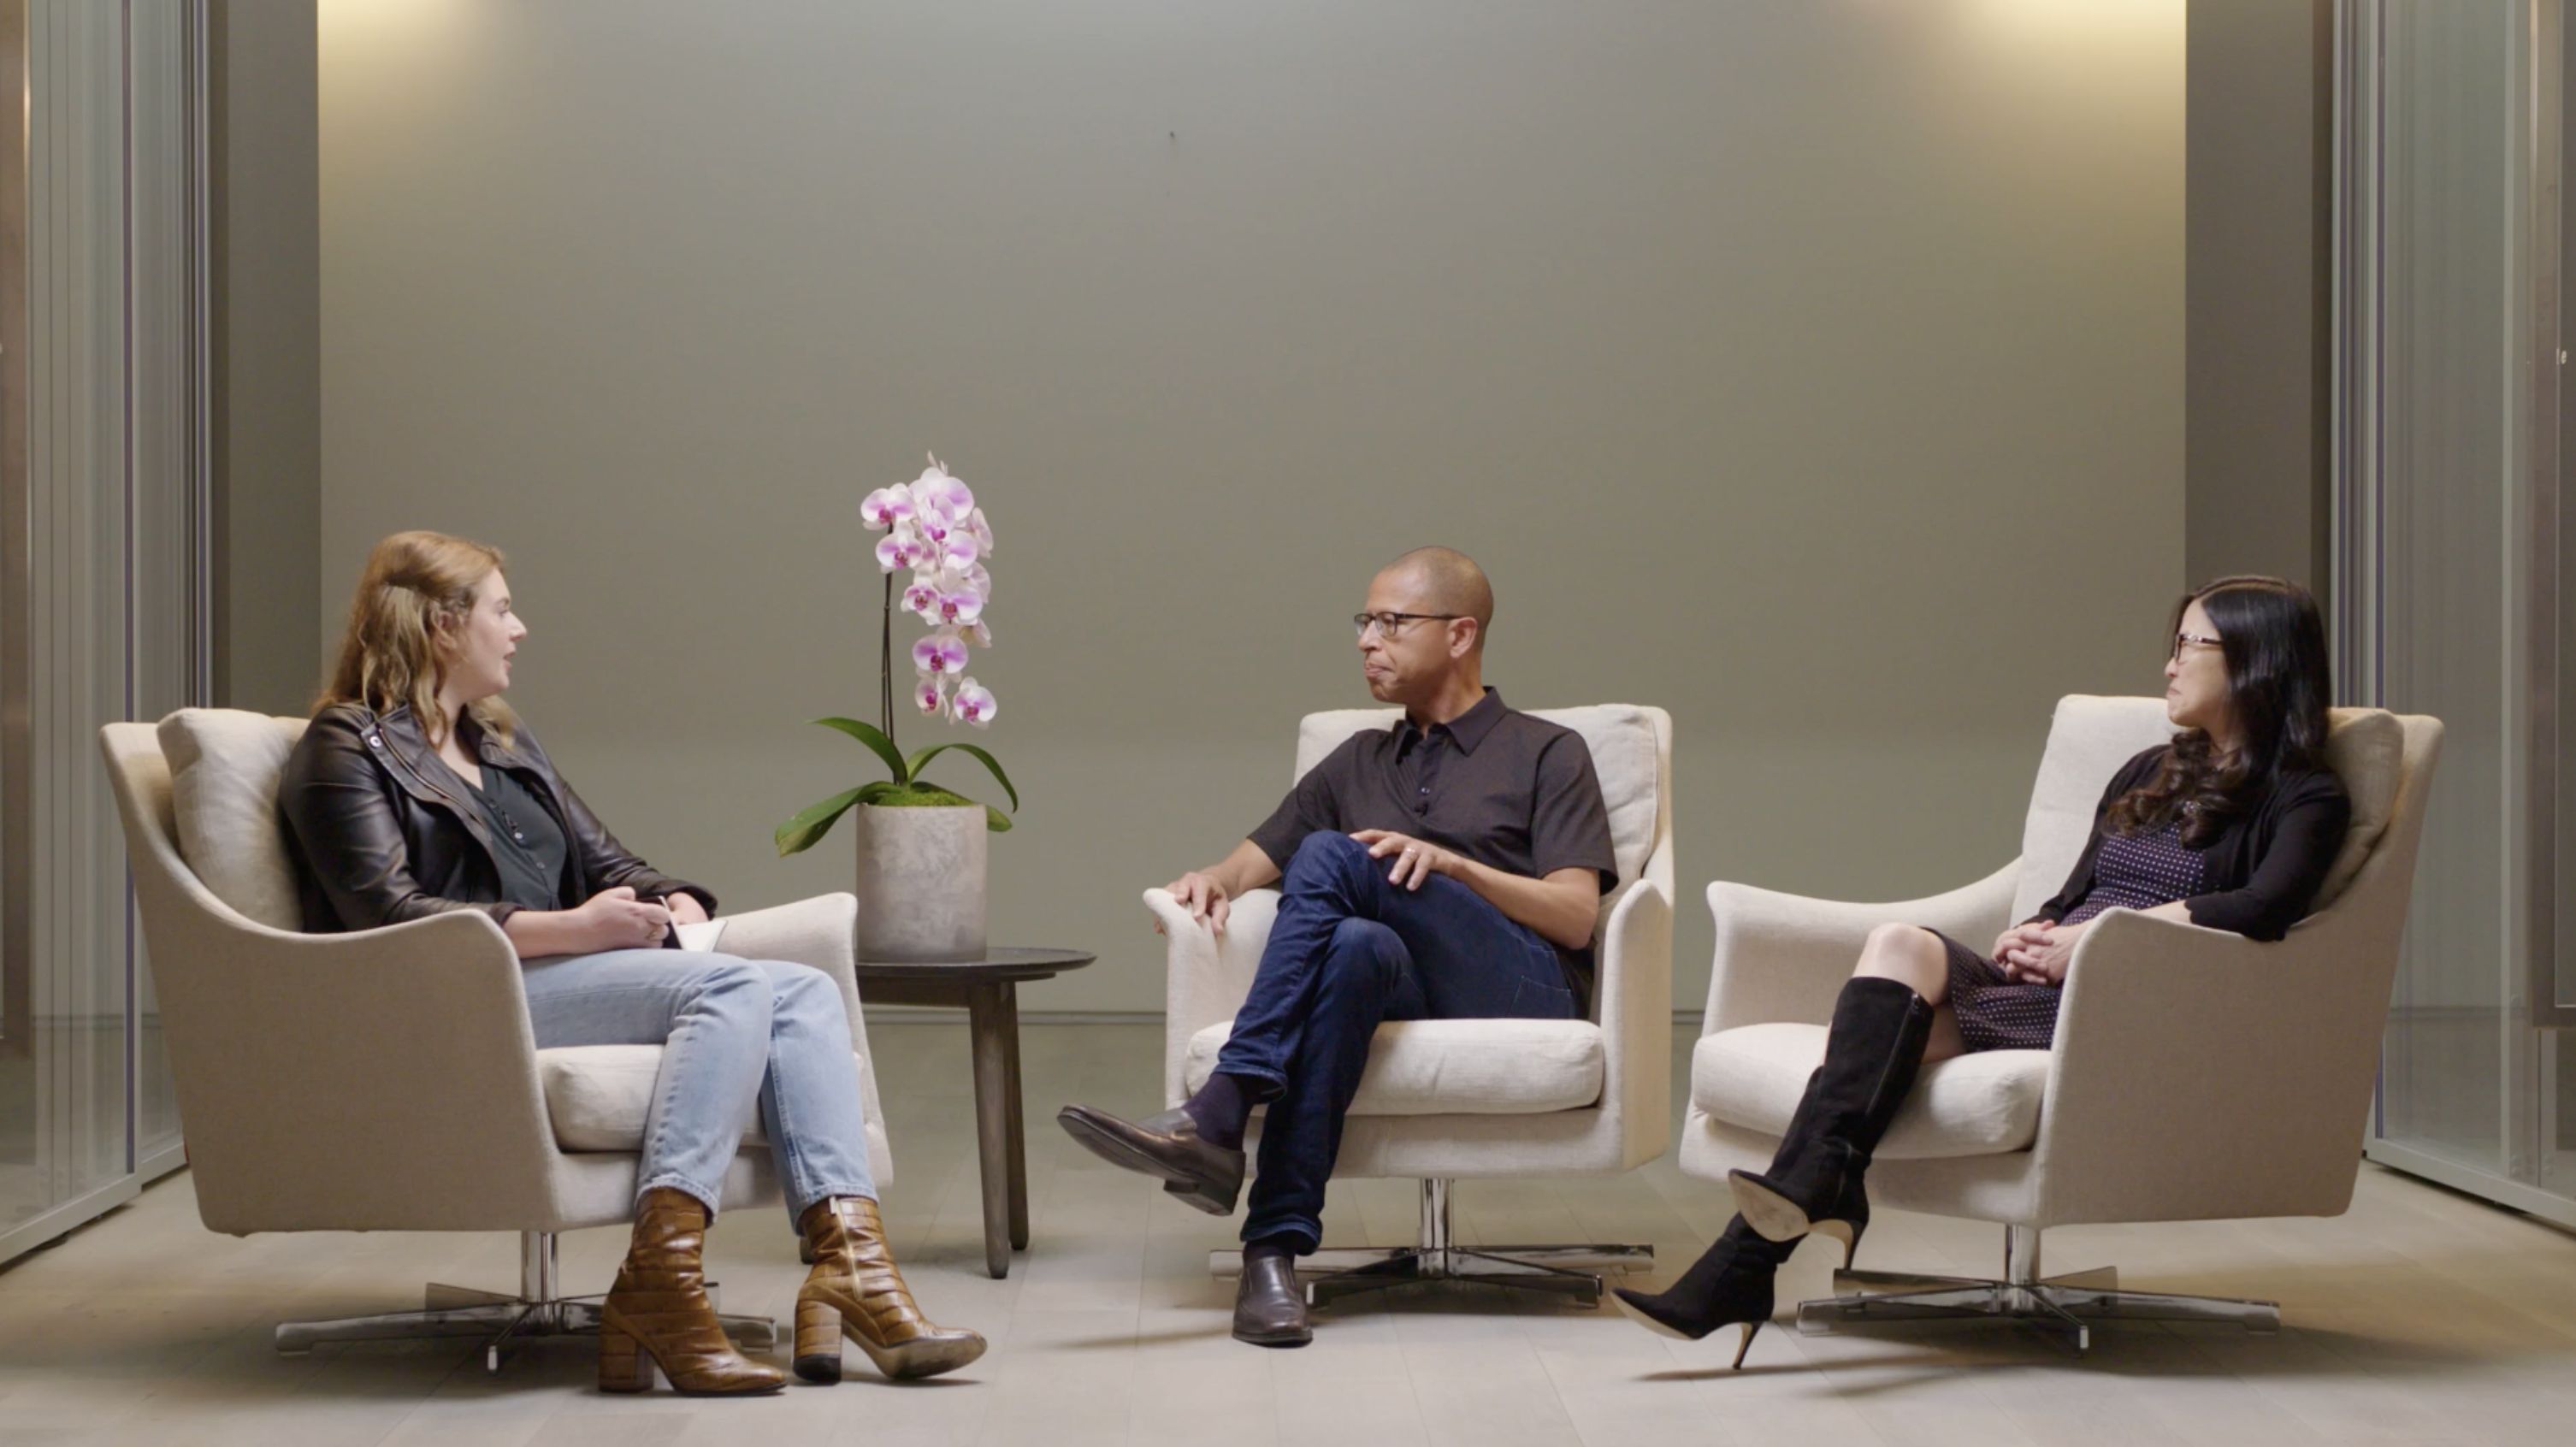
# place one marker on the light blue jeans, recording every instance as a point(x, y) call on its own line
point(729, 1029)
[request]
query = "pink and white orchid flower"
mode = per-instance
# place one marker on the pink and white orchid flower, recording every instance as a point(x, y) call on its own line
point(974, 703)
point(934, 528)
point(936, 494)
point(885, 507)
point(940, 652)
point(961, 605)
point(921, 597)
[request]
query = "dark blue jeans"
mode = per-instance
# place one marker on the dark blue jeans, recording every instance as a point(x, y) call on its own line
point(1349, 950)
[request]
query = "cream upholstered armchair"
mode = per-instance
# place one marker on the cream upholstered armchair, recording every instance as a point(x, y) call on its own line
point(2195, 1075)
point(1442, 1100)
point(388, 1079)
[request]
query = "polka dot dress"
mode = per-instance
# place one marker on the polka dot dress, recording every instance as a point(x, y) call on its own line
point(2129, 873)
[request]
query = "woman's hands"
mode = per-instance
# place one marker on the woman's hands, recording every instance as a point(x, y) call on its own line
point(2031, 936)
point(616, 920)
point(613, 919)
point(2037, 953)
point(685, 908)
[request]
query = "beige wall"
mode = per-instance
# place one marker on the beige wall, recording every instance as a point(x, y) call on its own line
point(2259, 247)
point(267, 353)
point(1812, 369)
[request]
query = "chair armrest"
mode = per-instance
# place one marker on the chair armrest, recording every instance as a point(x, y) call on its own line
point(2197, 1074)
point(1784, 957)
point(1636, 985)
point(822, 932)
point(352, 1080)
point(818, 932)
point(1206, 975)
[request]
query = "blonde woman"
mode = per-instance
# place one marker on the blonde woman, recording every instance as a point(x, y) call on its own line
point(415, 790)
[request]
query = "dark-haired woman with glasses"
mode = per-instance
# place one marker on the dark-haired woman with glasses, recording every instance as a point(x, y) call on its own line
point(2232, 825)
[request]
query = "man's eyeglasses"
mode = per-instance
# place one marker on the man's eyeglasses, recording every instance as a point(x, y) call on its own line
point(1390, 624)
point(2190, 640)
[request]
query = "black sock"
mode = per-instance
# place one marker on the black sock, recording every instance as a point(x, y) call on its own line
point(1271, 1246)
point(1220, 1109)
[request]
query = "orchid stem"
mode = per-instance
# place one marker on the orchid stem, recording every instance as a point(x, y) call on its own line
point(885, 663)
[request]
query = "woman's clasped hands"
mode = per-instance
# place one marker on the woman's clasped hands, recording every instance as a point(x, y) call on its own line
point(2036, 953)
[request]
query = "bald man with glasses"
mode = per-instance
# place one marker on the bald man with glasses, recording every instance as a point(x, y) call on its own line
point(1448, 868)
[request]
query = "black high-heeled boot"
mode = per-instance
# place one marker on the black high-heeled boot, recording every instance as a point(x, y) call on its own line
point(1872, 1053)
point(1730, 1284)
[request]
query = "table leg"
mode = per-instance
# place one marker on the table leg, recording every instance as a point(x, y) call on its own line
point(1016, 1109)
point(988, 1023)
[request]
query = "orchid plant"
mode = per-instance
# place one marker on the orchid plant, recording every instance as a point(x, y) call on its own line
point(935, 532)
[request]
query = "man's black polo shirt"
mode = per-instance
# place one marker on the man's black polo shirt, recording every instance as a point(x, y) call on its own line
point(1506, 790)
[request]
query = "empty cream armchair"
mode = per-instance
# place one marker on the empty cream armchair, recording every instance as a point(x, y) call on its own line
point(1443, 1100)
point(2195, 1074)
point(388, 1079)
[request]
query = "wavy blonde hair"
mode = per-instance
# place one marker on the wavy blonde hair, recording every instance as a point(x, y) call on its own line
point(416, 584)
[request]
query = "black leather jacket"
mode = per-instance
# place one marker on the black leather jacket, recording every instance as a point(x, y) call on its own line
point(382, 831)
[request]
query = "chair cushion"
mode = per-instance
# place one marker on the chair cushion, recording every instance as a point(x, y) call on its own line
point(1971, 1105)
point(2367, 747)
point(224, 768)
point(1458, 1067)
point(598, 1095)
point(1624, 756)
point(2088, 741)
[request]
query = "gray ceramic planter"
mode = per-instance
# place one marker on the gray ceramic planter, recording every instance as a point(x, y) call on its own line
point(920, 883)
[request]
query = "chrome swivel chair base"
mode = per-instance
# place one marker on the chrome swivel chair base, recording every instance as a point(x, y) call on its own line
point(501, 1319)
point(2068, 1304)
point(1336, 1272)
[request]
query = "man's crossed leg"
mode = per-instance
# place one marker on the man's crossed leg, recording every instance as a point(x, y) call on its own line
point(1348, 950)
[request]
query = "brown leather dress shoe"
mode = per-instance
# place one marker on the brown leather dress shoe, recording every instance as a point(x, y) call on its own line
point(856, 1291)
point(1207, 1176)
point(658, 1310)
point(1269, 1305)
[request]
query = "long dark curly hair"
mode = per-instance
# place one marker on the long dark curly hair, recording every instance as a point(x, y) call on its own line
point(2278, 682)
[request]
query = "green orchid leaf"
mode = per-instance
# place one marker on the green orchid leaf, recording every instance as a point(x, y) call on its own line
point(996, 821)
point(994, 764)
point(875, 739)
point(809, 826)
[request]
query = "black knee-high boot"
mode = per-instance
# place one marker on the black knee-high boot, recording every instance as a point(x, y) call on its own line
point(1730, 1283)
point(1872, 1053)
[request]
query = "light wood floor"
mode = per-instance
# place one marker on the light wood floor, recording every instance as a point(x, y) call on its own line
point(2420, 1317)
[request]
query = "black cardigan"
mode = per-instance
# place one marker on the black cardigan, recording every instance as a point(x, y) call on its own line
point(2260, 874)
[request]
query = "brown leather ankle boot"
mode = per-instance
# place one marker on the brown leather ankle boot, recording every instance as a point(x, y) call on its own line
point(658, 1309)
point(855, 1290)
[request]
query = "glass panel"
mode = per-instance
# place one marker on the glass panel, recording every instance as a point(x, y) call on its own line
point(2558, 1112)
point(2558, 1051)
point(156, 1104)
point(165, 561)
point(2451, 319)
point(65, 1072)
point(2564, 950)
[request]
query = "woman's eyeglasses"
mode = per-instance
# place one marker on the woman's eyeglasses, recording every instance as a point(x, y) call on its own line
point(2190, 640)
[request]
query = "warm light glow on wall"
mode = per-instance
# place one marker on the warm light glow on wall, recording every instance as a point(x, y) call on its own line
point(439, 23)
point(2044, 19)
